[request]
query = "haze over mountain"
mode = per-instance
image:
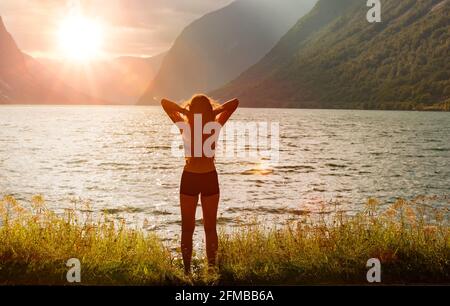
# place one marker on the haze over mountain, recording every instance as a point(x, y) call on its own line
point(25, 80)
point(121, 80)
point(219, 46)
point(334, 58)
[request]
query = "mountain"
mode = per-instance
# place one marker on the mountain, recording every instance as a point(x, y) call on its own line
point(216, 48)
point(11, 58)
point(24, 80)
point(334, 58)
point(120, 80)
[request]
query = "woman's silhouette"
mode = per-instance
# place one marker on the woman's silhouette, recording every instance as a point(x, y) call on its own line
point(199, 176)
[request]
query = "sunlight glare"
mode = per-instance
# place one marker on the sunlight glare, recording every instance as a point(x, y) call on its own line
point(80, 38)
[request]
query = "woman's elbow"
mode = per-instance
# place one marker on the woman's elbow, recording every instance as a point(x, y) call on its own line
point(235, 103)
point(166, 105)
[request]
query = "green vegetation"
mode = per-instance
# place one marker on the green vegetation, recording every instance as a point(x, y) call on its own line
point(411, 239)
point(334, 58)
point(35, 245)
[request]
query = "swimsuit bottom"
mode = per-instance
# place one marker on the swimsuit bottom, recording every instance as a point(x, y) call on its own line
point(193, 184)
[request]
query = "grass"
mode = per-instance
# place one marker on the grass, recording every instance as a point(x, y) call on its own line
point(411, 240)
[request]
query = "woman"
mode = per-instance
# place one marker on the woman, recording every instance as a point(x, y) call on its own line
point(199, 177)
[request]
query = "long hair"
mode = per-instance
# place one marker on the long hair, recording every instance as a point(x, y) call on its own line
point(200, 105)
point(203, 105)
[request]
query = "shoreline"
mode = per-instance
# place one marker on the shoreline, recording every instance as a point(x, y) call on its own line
point(433, 108)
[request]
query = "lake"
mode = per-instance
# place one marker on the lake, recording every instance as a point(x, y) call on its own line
point(120, 159)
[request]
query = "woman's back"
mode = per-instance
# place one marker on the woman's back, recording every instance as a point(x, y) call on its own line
point(200, 134)
point(200, 121)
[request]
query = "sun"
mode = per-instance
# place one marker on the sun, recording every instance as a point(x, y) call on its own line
point(80, 38)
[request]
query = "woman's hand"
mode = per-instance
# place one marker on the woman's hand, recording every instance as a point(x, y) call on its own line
point(224, 112)
point(173, 110)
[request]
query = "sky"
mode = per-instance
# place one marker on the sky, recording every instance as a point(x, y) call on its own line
point(130, 27)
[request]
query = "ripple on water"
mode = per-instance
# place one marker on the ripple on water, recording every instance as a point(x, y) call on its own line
point(332, 165)
point(121, 210)
point(258, 172)
point(294, 168)
point(268, 210)
point(438, 149)
point(161, 213)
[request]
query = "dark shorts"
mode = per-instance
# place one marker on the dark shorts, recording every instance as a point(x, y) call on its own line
point(193, 184)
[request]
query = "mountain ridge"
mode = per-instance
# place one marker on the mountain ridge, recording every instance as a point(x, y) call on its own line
point(215, 48)
point(349, 63)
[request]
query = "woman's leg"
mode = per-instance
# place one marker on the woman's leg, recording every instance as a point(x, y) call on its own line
point(210, 205)
point(188, 208)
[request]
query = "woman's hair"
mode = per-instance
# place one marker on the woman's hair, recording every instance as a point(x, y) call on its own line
point(202, 104)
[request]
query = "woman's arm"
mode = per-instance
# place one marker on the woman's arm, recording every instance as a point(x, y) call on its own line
point(173, 110)
point(224, 112)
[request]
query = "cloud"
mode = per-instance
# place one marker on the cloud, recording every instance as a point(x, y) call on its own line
point(134, 27)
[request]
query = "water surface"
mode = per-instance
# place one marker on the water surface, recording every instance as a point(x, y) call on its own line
point(120, 159)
